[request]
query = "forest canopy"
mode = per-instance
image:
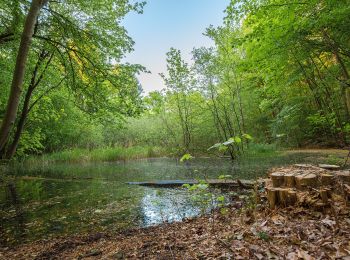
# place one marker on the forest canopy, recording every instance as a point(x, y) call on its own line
point(279, 72)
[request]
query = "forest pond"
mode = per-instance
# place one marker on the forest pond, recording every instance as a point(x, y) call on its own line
point(63, 199)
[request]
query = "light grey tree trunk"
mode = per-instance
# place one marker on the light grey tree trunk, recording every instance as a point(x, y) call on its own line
point(18, 74)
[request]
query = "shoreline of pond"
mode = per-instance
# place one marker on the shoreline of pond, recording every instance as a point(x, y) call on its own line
point(53, 191)
point(242, 233)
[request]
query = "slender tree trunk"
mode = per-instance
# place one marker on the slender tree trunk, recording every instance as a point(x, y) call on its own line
point(18, 74)
point(345, 74)
point(345, 88)
point(34, 82)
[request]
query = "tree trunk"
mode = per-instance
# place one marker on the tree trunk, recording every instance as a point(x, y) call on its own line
point(346, 78)
point(34, 82)
point(18, 74)
point(345, 74)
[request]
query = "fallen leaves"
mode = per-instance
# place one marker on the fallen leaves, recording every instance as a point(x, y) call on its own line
point(293, 233)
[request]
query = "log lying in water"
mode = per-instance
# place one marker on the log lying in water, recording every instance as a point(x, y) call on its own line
point(212, 182)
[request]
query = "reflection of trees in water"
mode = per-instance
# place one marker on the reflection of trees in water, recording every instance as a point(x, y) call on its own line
point(166, 205)
point(12, 201)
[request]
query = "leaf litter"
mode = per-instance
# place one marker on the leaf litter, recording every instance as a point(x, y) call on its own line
point(250, 232)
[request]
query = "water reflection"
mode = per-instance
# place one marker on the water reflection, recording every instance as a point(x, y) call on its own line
point(49, 200)
point(167, 205)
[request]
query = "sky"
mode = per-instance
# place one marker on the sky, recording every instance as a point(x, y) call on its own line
point(165, 24)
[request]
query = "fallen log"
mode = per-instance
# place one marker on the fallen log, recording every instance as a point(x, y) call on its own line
point(329, 166)
point(246, 184)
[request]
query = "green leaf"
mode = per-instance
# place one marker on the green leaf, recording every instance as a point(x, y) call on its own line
point(223, 177)
point(186, 157)
point(247, 136)
point(229, 141)
point(217, 145)
point(186, 185)
point(237, 139)
point(221, 199)
point(223, 148)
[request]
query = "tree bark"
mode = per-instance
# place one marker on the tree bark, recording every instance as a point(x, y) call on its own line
point(20, 125)
point(18, 74)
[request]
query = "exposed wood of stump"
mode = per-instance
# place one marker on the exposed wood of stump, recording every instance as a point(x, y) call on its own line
point(306, 185)
point(289, 180)
point(306, 180)
point(282, 196)
point(272, 196)
point(324, 195)
point(344, 176)
point(303, 165)
point(291, 197)
point(277, 179)
point(327, 179)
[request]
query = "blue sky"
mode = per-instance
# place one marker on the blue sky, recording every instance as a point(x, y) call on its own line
point(169, 23)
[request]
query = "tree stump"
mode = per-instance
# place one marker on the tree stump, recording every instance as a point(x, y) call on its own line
point(277, 179)
point(344, 176)
point(282, 196)
point(306, 185)
point(306, 180)
point(272, 195)
point(289, 180)
point(291, 197)
point(327, 179)
point(324, 196)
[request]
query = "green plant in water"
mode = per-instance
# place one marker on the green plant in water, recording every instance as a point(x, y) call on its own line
point(332, 159)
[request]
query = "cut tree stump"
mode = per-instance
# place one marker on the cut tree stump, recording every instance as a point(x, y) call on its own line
point(327, 179)
point(277, 179)
point(306, 185)
point(324, 196)
point(272, 196)
point(289, 180)
point(291, 197)
point(283, 196)
point(305, 180)
point(344, 176)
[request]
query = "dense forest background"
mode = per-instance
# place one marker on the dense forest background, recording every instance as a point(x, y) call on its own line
point(279, 73)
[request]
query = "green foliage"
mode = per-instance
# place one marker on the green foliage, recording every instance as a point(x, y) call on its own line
point(70, 80)
point(225, 177)
point(278, 70)
point(77, 155)
point(336, 160)
point(186, 157)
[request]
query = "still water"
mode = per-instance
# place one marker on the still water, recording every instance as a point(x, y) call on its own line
point(61, 199)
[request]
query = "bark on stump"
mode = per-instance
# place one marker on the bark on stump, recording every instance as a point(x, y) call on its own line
point(277, 179)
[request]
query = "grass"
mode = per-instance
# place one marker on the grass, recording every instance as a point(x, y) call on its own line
point(256, 150)
point(107, 154)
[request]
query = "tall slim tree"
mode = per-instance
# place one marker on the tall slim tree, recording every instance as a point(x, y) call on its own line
point(19, 71)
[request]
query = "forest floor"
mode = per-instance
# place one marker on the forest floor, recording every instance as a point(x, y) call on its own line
point(245, 233)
